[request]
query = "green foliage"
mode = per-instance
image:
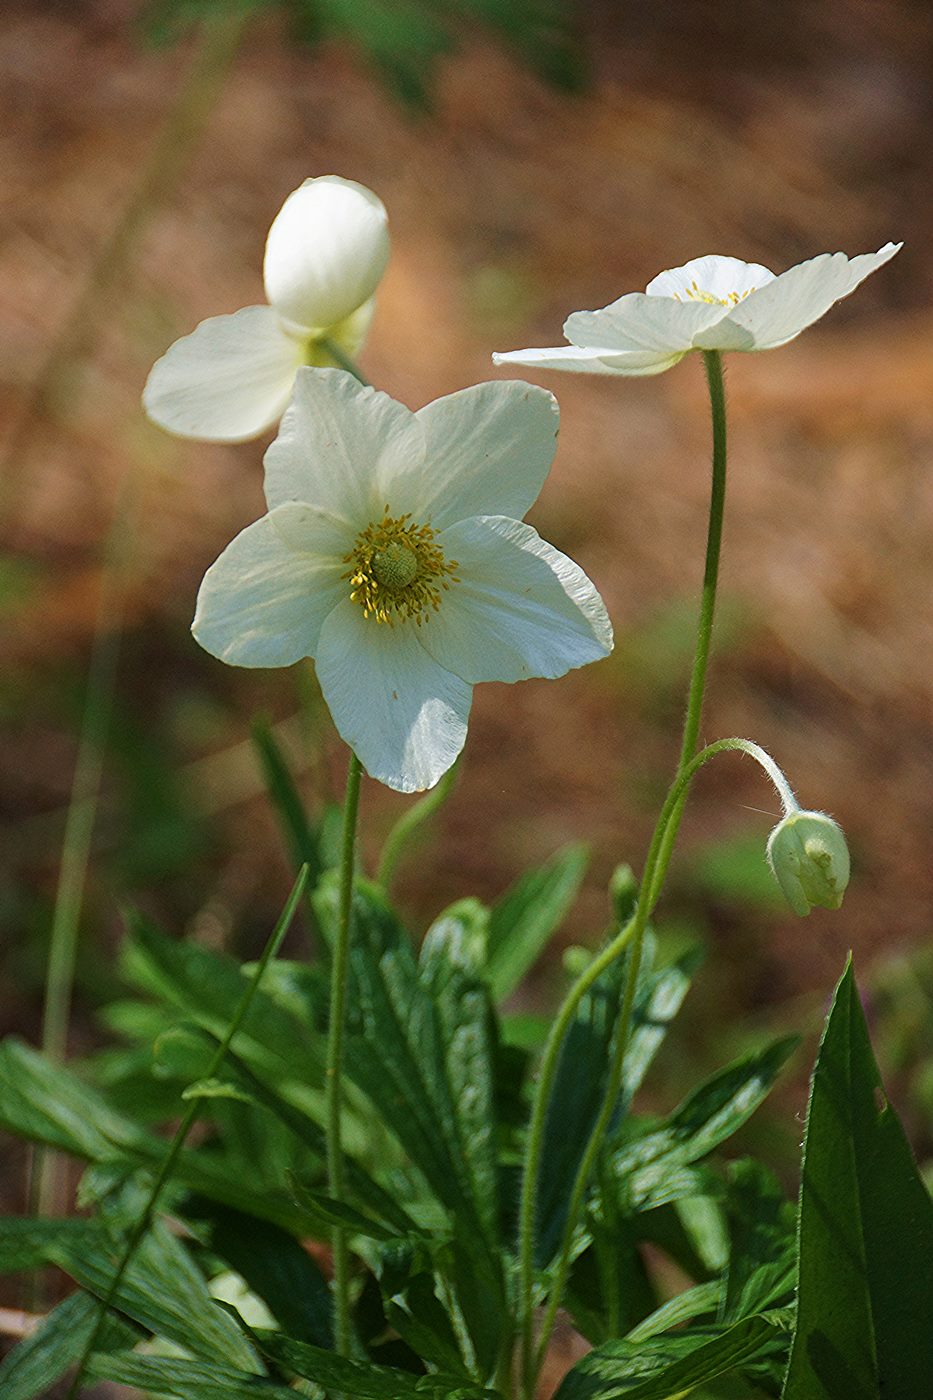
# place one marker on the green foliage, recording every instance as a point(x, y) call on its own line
point(524, 920)
point(866, 1232)
point(658, 1368)
point(44, 1356)
point(403, 39)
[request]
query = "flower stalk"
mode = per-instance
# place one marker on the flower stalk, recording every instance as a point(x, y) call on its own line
point(630, 937)
point(335, 1042)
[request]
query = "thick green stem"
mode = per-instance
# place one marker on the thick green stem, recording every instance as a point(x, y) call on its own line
point(659, 854)
point(335, 1038)
point(145, 1218)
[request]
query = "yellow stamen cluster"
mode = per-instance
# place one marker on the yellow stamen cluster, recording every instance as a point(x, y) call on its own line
point(397, 571)
point(693, 293)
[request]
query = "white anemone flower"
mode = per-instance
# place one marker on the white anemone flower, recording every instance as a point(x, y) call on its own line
point(232, 378)
point(393, 553)
point(711, 303)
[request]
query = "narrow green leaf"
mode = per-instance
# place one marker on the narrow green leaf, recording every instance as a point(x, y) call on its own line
point(450, 970)
point(699, 1301)
point(362, 1381)
point(287, 802)
point(325, 1212)
point(206, 987)
point(763, 1252)
point(189, 1380)
point(668, 1367)
point(866, 1232)
point(161, 1289)
point(31, 1369)
point(528, 914)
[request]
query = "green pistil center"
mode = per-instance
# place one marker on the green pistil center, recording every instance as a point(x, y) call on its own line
point(398, 570)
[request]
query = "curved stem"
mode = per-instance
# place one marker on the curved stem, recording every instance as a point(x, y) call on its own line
point(335, 1038)
point(658, 856)
point(408, 824)
point(144, 1220)
point(662, 844)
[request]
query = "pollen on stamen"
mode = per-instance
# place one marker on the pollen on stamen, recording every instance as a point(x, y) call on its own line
point(694, 293)
point(398, 570)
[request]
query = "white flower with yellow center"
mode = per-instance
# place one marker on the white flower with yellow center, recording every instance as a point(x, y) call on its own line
point(394, 554)
point(232, 377)
point(711, 303)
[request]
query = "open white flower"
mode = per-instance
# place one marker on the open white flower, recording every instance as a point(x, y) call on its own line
point(393, 553)
point(232, 377)
point(711, 303)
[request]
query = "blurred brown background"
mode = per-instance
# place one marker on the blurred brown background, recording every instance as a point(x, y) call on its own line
point(770, 132)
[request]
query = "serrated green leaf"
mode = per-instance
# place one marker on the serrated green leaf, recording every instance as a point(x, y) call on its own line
point(189, 1380)
point(866, 1232)
point(522, 922)
point(30, 1370)
point(668, 1367)
point(362, 1381)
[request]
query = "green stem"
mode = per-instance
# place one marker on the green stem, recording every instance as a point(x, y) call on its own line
point(144, 1220)
point(662, 844)
point(335, 1038)
point(660, 851)
point(342, 360)
point(408, 824)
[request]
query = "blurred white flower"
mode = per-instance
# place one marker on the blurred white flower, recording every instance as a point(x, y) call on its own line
point(809, 858)
point(232, 377)
point(711, 303)
point(393, 553)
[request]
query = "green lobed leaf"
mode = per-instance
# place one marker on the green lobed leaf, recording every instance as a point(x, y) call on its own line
point(865, 1279)
point(522, 922)
point(32, 1367)
point(660, 1368)
point(650, 1166)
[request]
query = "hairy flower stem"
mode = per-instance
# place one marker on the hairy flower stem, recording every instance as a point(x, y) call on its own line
point(335, 1039)
point(631, 936)
point(144, 1221)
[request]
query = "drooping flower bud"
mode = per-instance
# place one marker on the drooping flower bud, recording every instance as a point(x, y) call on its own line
point(809, 858)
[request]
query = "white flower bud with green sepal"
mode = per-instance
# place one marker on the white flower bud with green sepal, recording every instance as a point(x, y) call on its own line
point(809, 858)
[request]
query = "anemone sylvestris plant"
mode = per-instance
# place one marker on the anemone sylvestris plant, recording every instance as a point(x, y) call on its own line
point(469, 1177)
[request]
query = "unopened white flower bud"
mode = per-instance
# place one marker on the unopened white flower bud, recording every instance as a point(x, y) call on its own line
point(809, 858)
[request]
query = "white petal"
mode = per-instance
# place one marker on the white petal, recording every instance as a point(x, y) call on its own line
point(639, 322)
point(326, 252)
point(601, 360)
point(403, 715)
point(800, 296)
point(520, 608)
point(264, 601)
point(714, 274)
point(487, 451)
point(338, 444)
point(228, 381)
